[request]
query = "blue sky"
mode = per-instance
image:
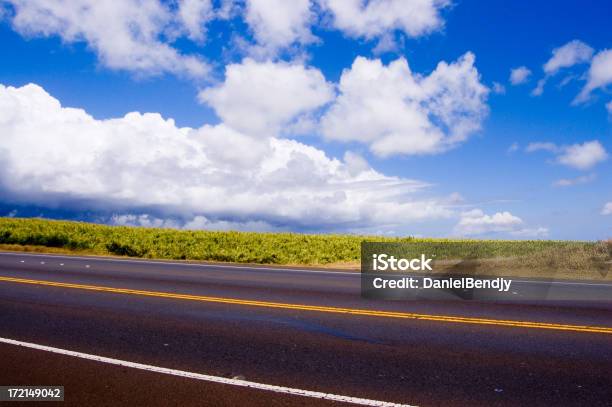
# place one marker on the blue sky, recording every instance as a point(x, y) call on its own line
point(315, 116)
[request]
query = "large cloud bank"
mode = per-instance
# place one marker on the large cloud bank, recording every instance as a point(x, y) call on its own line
point(143, 163)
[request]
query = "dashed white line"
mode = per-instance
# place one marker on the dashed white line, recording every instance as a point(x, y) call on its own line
point(201, 265)
point(207, 378)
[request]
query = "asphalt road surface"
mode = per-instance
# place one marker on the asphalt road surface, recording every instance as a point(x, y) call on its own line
point(131, 332)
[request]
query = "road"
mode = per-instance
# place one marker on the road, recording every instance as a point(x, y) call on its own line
point(249, 335)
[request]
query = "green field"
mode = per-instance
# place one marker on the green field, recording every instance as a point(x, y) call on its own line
point(569, 257)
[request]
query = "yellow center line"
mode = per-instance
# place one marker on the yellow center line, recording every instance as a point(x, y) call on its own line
point(318, 308)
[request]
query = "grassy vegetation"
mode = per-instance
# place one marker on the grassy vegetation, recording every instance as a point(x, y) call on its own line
point(279, 248)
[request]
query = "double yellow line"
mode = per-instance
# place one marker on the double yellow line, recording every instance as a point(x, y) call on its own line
point(317, 308)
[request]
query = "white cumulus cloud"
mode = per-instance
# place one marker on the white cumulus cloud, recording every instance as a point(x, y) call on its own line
point(375, 18)
point(194, 14)
point(126, 35)
point(583, 156)
point(396, 111)
point(607, 209)
point(143, 164)
point(476, 222)
point(568, 55)
point(264, 98)
point(599, 75)
point(572, 53)
point(277, 24)
point(580, 156)
point(519, 75)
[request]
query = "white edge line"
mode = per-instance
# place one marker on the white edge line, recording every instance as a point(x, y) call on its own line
point(208, 378)
point(275, 269)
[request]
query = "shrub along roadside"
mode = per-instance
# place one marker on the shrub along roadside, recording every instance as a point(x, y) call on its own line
point(275, 248)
